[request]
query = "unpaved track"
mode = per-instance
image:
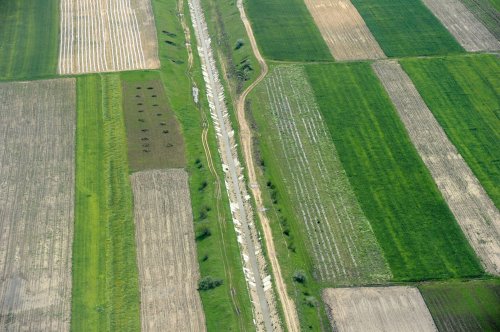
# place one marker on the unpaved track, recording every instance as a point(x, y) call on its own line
point(473, 209)
point(289, 310)
point(166, 252)
point(388, 309)
point(37, 137)
point(344, 30)
point(107, 35)
point(463, 25)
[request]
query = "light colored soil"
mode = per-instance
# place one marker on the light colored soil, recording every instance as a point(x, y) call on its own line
point(463, 25)
point(388, 309)
point(107, 35)
point(37, 135)
point(473, 209)
point(344, 30)
point(166, 252)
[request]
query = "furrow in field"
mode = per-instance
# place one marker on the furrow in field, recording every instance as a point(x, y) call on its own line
point(473, 209)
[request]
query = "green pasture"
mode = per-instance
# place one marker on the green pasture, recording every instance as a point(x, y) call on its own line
point(463, 93)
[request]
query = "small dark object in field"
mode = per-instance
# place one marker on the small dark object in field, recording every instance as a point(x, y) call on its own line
point(163, 123)
point(139, 104)
point(140, 111)
point(145, 150)
point(165, 131)
point(158, 114)
point(144, 130)
point(144, 139)
point(137, 96)
point(138, 88)
point(150, 88)
point(154, 96)
point(155, 105)
point(169, 145)
point(141, 120)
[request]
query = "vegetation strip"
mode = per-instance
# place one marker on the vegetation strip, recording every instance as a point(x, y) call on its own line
point(473, 209)
point(105, 275)
point(37, 135)
point(392, 184)
point(484, 11)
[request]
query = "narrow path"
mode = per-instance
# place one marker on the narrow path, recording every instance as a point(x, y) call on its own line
point(291, 317)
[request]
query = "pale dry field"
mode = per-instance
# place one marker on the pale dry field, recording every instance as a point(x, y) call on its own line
point(166, 252)
point(463, 25)
point(388, 309)
point(473, 209)
point(344, 30)
point(107, 35)
point(37, 135)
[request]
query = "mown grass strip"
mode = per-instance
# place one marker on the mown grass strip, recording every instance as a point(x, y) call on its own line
point(419, 236)
point(463, 94)
point(406, 28)
point(105, 276)
point(29, 39)
point(285, 30)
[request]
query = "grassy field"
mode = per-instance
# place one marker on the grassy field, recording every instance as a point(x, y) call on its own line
point(406, 28)
point(463, 94)
point(464, 306)
point(285, 30)
point(29, 39)
point(419, 236)
point(105, 276)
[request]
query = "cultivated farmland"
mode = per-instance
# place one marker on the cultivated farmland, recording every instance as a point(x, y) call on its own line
point(391, 182)
point(166, 255)
point(339, 235)
point(406, 28)
point(107, 35)
point(485, 12)
point(37, 135)
point(463, 25)
point(389, 309)
point(344, 30)
point(472, 207)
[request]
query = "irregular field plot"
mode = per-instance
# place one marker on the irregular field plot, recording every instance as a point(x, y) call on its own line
point(166, 254)
point(285, 30)
point(107, 35)
point(37, 134)
point(339, 235)
point(406, 28)
point(153, 134)
point(105, 276)
point(464, 306)
point(389, 309)
point(485, 11)
point(391, 182)
point(344, 30)
point(28, 35)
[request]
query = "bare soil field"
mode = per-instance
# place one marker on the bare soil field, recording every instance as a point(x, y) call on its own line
point(153, 133)
point(166, 252)
point(344, 30)
point(486, 13)
point(463, 25)
point(37, 135)
point(388, 309)
point(473, 209)
point(107, 35)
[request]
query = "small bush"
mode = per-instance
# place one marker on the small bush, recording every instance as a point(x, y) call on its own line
point(204, 233)
point(208, 283)
point(239, 44)
point(300, 277)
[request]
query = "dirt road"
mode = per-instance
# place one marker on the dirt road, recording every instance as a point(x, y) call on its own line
point(291, 318)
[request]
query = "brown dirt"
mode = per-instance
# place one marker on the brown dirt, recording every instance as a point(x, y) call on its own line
point(344, 30)
point(37, 135)
point(153, 133)
point(473, 209)
point(166, 252)
point(388, 309)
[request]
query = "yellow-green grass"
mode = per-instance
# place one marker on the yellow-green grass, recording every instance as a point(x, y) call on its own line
point(29, 39)
point(463, 93)
point(464, 306)
point(412, 223)
point(406, 28)
point(105, 276)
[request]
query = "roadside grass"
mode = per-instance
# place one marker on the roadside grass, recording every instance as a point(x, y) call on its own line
point(464, 306)
point(406, 28)
point(487, 12)
point(29, 35)
point(419, 235)
point(285, 30)
point(105, 276)
point(463, 94)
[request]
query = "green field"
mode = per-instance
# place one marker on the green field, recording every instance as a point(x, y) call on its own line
point(285, 30)
point(464, 306)
point(463, 94)
point(29, 40)
point(105, 276)
point(406, 28)
point(412, 223)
